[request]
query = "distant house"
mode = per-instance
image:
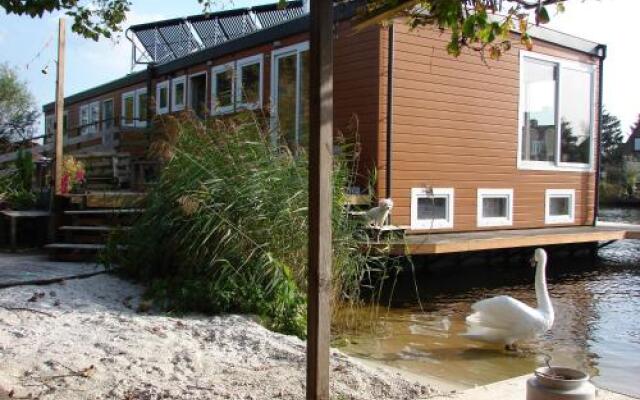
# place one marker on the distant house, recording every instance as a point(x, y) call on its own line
point(460, 144)
point(632, 146)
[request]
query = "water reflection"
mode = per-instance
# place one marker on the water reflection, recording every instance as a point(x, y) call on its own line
point(597, 326)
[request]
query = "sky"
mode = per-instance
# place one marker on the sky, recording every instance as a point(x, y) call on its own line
point(29, 45)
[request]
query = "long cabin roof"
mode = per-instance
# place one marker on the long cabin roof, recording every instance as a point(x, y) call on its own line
point(174, 44)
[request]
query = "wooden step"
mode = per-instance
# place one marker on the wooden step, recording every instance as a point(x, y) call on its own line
point(105, 211)
point(93, 228)
point(76, 246)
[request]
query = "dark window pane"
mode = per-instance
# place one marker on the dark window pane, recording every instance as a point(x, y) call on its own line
point(432, 208)
point(163, 101)
point(142, 107)
point(179, 94)
point(224, 85)
point(539, 102)
point(558, 206)
point(286, 104)
point(494, 207)
point(576, 116)
point(250, 91)
point(303, 136)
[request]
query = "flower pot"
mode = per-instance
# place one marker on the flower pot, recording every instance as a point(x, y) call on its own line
point(559, 383)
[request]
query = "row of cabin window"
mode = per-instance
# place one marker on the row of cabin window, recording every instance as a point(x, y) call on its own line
point(234, 86)
point(434, 208)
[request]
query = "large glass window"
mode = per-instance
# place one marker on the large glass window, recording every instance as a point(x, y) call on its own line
point(134, 108)
point(290, 97)
point(107, 114)
point(249, 85)
point(576, 116)
point(539, 92)
point(128, 109)
point(556, 100)
point(222, 89)
point(162, 97)
point(178, 93)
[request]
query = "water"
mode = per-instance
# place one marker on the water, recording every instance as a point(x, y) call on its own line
point(597, 327)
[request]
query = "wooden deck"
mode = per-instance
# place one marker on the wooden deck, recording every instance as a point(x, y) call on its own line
point(443, 243)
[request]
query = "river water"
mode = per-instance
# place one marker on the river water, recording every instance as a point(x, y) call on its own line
point(597, 326)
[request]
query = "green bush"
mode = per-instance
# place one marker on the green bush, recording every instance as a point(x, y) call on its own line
point(225, 229)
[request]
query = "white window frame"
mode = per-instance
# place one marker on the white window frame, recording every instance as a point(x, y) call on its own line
point(215, 71)
point(138, 122)
point(175, 82)
point(206, 87)
point(557, 165)
point(275, 54)
point(422, 193)
point(160, 86)
point(495, 221)
point(123, 116)
point(89, 126)
point(256, 59)
point(559, 219)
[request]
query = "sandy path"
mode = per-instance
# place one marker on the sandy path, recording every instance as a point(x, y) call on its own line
point(91, 334)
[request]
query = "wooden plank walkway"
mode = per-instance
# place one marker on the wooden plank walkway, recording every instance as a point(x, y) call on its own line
point(443, 243)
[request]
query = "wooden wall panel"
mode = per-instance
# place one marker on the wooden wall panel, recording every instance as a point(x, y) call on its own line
point(456, 125)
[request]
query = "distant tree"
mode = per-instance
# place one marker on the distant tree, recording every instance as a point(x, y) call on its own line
point(635, 128)
point(611, 139)
point(476, 24)
point(18, 111)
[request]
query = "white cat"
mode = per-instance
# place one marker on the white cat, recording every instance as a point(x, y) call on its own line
point(377, 216)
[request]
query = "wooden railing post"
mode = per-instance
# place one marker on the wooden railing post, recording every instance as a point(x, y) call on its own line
point(59, 107)
point(320, 198)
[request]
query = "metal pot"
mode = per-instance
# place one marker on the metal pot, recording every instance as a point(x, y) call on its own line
point(559, 383)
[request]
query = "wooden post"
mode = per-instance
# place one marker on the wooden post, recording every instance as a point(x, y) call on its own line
point(59, 108)
point(320, 198)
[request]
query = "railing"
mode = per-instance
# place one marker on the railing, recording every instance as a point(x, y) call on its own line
point(105, 130)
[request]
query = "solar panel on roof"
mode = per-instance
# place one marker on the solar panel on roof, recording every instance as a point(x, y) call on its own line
point(168, 40)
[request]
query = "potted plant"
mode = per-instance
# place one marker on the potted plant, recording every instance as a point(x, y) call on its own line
point(73, 176)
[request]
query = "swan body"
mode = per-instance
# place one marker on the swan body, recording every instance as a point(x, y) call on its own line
point(505, 320)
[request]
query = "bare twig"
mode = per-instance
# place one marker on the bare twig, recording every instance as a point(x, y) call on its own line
point(43, 282)
point(27, 310)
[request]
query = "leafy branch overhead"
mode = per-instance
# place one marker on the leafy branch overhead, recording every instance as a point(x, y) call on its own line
point(91, 19)
point(481, 25)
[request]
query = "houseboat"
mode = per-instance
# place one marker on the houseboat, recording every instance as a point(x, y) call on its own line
point(461, 144)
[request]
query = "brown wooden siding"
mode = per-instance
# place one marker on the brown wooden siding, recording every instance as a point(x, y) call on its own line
point(455, 125)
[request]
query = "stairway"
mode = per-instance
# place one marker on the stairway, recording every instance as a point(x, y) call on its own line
point(85, 232)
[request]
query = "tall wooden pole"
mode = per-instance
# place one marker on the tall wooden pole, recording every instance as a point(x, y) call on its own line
point(59, 109)
point(320, 198)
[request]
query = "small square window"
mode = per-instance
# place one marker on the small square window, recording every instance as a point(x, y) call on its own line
point(559, 206)
point(495, 207)
point(636, 144)
point(432, 209)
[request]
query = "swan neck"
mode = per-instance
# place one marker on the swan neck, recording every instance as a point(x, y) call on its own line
point(542, 293)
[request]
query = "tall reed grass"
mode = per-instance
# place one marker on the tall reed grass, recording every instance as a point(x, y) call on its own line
point(225, 229)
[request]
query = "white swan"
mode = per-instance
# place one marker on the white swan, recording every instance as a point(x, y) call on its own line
point(505, 320)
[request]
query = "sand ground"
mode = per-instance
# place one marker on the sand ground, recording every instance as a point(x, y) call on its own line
point(87, 339)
